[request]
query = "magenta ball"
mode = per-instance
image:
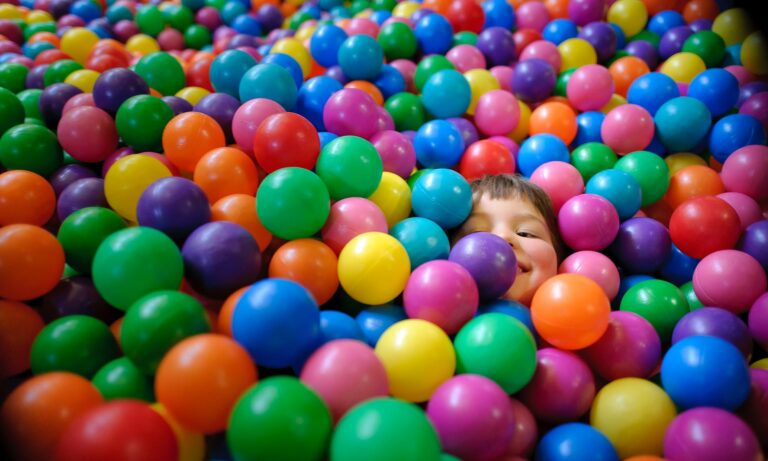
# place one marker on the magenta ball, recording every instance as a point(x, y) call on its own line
point(595, 266)
point(588, 222)
point(590, 87)
point(88, 134)
point(560, 180)
point(710, 434)
point(170, 39)
point(473, 417)
point(627, 128)
point(630, 347)
point(248, 117)
point(345, 372)
point(408, 70)
point(351, 112)
point(396, 152)
point(503, 75)
point(562, 388)
point(363, 26)
point(758, 321)
point(113, 157)
point(532, 15)
point(745, 171)
point(466, 57)
point(755, 409)
point(757, 106)
point(582, 12)
point(349, 218)
point(79, 100)
point(542, 49)
point(441, 292)
point(713, 321)
point(525, 433)
point(746, 207)
point(730, 279)
point(497, 113)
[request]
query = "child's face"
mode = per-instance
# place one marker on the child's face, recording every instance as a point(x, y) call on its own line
point(517, 221)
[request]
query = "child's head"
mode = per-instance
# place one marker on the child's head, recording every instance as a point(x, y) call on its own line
point(521, 213)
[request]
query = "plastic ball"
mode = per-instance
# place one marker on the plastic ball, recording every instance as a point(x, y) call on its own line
point(729, 279)
point(32, 262)
point(753, 51)
point(310, 263)
point(659, 302)
point(652, 90)
point(718, 89)
point(627, 128)
point(650, 171)
point(127, 179)
point(713, 321)
point(350, 167)
point(539, 150)
point(561, 181)
point(225, 171)
point(591, 158)
point(175, 206)
point(396, 151)
point(438, 144)
point(579, 218)
point(393, 197)
point(642, 245)
point(555, 118)
point(595, 266)
point(360, 57)
point(576, 52)
point(620, 188)
point(703, 225)
point(20, 325)
point(709, 433)
point(733, 132)
point(442, 196)
point(351, 112)
point(423, 240)
point(690, 182)
point(325, 44)
point(542, 49)
point(286, 139)
point(576, 441)
point(350, 217)
point(755, 243)
point(25, 198)
point(369, 259)
point(30, 147)
point(446, 94)
point(590, 87)
point(269, 81)
point(533, 80)
point(743, 169)
point(489, 259)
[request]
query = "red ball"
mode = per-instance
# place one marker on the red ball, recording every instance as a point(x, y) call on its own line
point(523, 38)
point(466, 15)
point(104, 62)
point(286, 139)
point(703, 225)
point(199, 74)
point(486, 157)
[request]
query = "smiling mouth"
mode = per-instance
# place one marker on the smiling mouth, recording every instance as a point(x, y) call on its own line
point(522, 270)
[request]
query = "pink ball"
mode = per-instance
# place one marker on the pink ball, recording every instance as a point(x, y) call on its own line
point(542, 49)
point(729, 279)
point(595, 266)
point(560, 180)
point(396, 152)
point(407, 69)
point(503, 74)
point(497, 113)
point(710, 434)
point(627, 128)
point(757, 106)
point(532, 15)
point(364, 26)
point(562, 388)
point(466, 57)
point(384, 121)
point(758, 321)
point(345, 372)
point(88, 134)
point(509, 144)
point(526, 431)
point(170, 39)
point(441, 292)
point(588, 222)
point(351, 112)
point(741, 73)
point(755, 409)
point(590, 87)
point(247, 119)
point(630, 347)
point(78, 100)
point(349, 218)
point(746, 171)
point(473, 417)
point(125, 29)
point(746, 207)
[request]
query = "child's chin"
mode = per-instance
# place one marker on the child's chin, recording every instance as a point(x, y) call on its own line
point(520, 293)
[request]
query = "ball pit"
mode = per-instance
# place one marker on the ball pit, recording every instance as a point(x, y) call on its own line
point(198, 194)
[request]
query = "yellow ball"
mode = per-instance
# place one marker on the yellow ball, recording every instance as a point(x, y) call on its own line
point(418, 357)
point(634, 414)
point(78, 42)
point(83, 79)
point(761, 364)
point(38, 16)
point(680, 160)
point(8, 11)
point(683, 67)
point(191, 444)
point(192, 94)
point(374, 268)
point(305, 32)
point(142, 44)
point(480, 81)
point(615, 101)
point(576, 52)
point(127, 178)
point(734, 25)
point(405, 9)
point(295, 49)
point(393, 197)
point(521, 131)
point(629, 15)
point(754, 53)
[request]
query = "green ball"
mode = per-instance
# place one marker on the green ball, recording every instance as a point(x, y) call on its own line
point(350, 167)
point(499, 347)
point(82, 232)
point(464, 37)
point(197, 36)
point(358, 6)
point(398, 41)
point(406, 110)
point(708, 45)
point(58, 71)
point(690, 296)
point(385, 429)
point(659, 302)
point(150, 20)
point(141, 120)
point(562, 82)
point(383, 5)
point(650, 171)
point(30, 147)
point(218, 4)
point(11, 109)
point(178, 16)
point(32, 29)
point(13, 76)
point(416, 175)
point(293, 203)
point(592, 158)
point(122, 379)
point(279, 419)
point(428, 67)
point(76, 343)
point(299, 18)
point(157, 322)
point(616, 56)
point(30, 99)
point(162, 72)
point(134, 262)
point(647, 35)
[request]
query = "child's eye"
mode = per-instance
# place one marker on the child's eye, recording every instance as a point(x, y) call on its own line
point(525, 234)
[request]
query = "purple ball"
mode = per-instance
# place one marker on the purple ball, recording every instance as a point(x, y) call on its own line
point(52, 102)
point(115, 86)
point(497, 45)
point(76, 296)
point(209, 17)
point(270, 17)
point(59, 8)
point(588, 222)
point(70, 20)
point(602, 37)
point(533, 80)
point(337, 74)
point(713, 321)
point(583, 12)
point(80, 194)
point(745, 92)
point(176, 206)
point(177, 105)
point(11, 31)
point(35, 77)
point(490, 260)
point(242, 40)
point(642, 245)
point(466, 128)
point(645, 51)
point(125, 29)
point(710, 434)
point(700, 24)
point(758, 321)
point(673, 39)
point(219, 258)
point(420, 14)
point(221, 107)
point(68, 174)
point(754, 242)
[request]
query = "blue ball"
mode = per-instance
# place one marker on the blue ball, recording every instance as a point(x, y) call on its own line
point(328, 5)
point(732, 55)
point(380, 16)
point(100, 31)
point(512, 309)
point(375, 321)
point(575, 442)
point(656, 146)
point(678, 267)
point(681, 123)
point(116, 13)
point(718, 89)
point(625, 283)
point(325, 43)
point(446, 94)
point(390, 81)
point(231, 10)
point(423, 240)
point(665, 20)
point(269, 81)
point(313, 95)
point(651, 90)
point(559, 30)
point(621, 38)
point(338, 325)
point(434, 34)
point(85, 10)
point(361, 57)
point(589, 124)
point(438, 144)
point(247, 24)
point(325, 138)
point(540, 149)
point(443, 196)
point(733, 132)
point(705, 371)
point(277, 321)
point(618, 187)
point(227, 70)
point(498, 13)
point(288, 63)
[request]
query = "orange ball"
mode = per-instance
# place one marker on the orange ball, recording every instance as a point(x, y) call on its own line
point(25, 198)
point(645, 458)
point(558, 9)
point(700, 9)
point(369, 88)
point(660, 211)
point(692, 181)
point(200, 379)
point(555, 118)
point(224, 321)
point(311, 263)
point(657, 6)
point(49, 37)
point(438, 6)
point(226, 171)
point(570, 311)
point(19, 325)
point(625, 70)
point(31, 262)
point(241, 209)
point(189, 136)
point(115, 329)
point(36, 413)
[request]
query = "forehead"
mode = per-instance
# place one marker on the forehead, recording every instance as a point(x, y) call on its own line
point(506, 208)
